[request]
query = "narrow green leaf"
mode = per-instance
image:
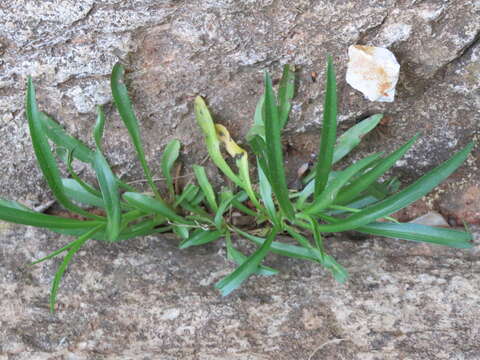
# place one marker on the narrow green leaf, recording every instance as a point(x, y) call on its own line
point(170, 155)
point(420, 233)
point(266, 195)
point(14, 205)
point(188, 193)
point(303, 195)
point(75, 232)
point(338, 271)
point(248, 267)
point(147, 230)
point(280, 248)
point(239, 258)
point(393, 185)
point(55, 253)
point(74, 147)
point(148, 204)
point(143, 229)
point(274, 150)
point(197, 210)
point(258, 128)
point(226, 198)
point(352, 137)
point(306, 252)
point(110, 195)
point(415, 232)
point(329, 131)
point(193, 193)
point(183, 232)
point(309, 189)
point(316, 235)
point(147, 227)
point(125, 109)
point(75, 246)
point(100, 236)
point(403, 198)
point(360, 203)
point(57, 134)
point(86, 187)
point(44, 155)
point(107, 182)
point(245, 209)
point(77, 192)
point(99, 127)
point(378, 190)
point(206, 187)
point(201, 237)
point(260, 150)
point(198, 199)
point(304, 242)
point(131, 216)
point(329, 194)
point(31, 218)
point(256, 139)
point(352, 190)
point(286, 91)
point(258, 116)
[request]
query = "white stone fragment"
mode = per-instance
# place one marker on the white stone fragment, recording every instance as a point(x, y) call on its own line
point(373, 71)
point(432, 218)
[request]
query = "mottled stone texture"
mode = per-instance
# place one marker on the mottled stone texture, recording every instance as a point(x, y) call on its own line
point(147, 300)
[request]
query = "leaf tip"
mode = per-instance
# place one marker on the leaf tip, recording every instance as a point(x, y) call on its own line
point(267, 78)
point(183, 245)
point(199, 101)
point(118, 67)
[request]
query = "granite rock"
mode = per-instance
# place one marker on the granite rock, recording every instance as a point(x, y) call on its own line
point(146, 299)
point(175, 50)
point(145, 296)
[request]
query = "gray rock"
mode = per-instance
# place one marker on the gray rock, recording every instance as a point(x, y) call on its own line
point(146, 297)
point(430, 34)
point(176, 50)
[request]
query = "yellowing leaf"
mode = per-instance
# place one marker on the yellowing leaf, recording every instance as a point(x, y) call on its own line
point(231, 146)
point(241, 160)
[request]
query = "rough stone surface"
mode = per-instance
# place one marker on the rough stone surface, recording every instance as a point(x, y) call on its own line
point(146, 297)
point(175, 50)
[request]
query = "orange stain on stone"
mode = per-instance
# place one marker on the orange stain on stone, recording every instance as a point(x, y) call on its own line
point(374, 72)
point(366, 49)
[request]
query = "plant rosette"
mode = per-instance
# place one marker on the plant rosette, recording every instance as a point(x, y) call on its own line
point(358, 197)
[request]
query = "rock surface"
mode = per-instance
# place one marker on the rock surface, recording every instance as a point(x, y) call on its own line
point(175, 50)
point(147, 297)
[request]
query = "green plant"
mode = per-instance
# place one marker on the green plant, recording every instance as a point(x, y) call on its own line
point(331, 200)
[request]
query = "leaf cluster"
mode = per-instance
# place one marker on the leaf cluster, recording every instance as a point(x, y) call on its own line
point(359, 197)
